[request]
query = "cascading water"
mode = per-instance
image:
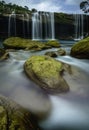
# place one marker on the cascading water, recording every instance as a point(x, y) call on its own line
point(79, 26)
point(12, 25)
point(81, 30)
point(43, 26)
point(27, 16)
point(23, 26)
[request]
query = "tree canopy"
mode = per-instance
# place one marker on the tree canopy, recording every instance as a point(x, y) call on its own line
point(84, 5)
point(9, 8)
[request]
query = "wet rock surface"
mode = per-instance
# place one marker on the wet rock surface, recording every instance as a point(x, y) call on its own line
point(47, 73)
point(59, 52)
point(53, 43)
point(27, 44)
point(14, 117)
point(3, 54)
point(81, 49)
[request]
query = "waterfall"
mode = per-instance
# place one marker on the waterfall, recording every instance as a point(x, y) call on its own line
point(43, 26)
point(12, 24)
point(79, 26)
point(27, 19)
point(23, 24)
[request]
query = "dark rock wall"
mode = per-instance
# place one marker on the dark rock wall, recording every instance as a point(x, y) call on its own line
point(3, 26)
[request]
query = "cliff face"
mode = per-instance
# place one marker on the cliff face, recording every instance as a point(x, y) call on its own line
point(21, 25)
point(13, 25)
point(3, 26)
point(64, 26)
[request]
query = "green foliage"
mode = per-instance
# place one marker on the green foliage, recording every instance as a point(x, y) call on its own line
point(84, 5)
point(8, 8)
point(63, 18)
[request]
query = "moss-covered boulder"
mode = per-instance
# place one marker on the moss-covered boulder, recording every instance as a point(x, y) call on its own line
point(53, 43)
point(3, 54)
point(81, 49)
point(61, 52)
point(21, 43)
point(14, 117)
point(47, 73)
point(51, 53)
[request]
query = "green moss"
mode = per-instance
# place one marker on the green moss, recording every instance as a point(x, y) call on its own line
point(53, 43)
point(21, 43)
point(81, 49)
point(47, 73)
point(64, 18)
point(2, 51)
point(14, 117)
point(3, 118)
point(44, 66)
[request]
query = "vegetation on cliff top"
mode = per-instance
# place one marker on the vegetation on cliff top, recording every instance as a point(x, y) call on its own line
point(9, 8)
point(63, 18)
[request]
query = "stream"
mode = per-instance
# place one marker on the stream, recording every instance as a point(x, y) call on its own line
point(70, 111)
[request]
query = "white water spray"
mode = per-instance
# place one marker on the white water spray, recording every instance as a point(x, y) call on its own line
point(43, 26)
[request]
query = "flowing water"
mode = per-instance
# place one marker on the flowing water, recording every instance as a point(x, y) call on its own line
point(43, 26)
point(12, 25)
point(80, 29)
point(69, 110)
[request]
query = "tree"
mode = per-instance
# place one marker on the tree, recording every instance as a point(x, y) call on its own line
point(34, 10)
point(26, 7)
point(84, 5)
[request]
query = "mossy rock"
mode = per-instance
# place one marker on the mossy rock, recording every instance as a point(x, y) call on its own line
point(3, 54)
point(61, 52)
point(51, 54)
point(47, 73)
point(81, 49)
point(21, 43)
point(53, 43)
point(14, 117)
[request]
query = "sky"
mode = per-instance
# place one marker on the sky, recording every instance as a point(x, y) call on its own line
point(66, 6)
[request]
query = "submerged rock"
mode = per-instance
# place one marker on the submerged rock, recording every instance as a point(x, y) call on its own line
point(47, 73)
point(81, 49)
point(51, 53)
point(3, 54)
point(59, 52)
point(14, 117)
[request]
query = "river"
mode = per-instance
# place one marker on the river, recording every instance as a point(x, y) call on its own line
point(70, 111)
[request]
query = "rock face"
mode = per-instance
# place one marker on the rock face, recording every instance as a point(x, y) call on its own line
point(81, 49)
point(47, 73)
point(14, 117)
point(3, 54)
